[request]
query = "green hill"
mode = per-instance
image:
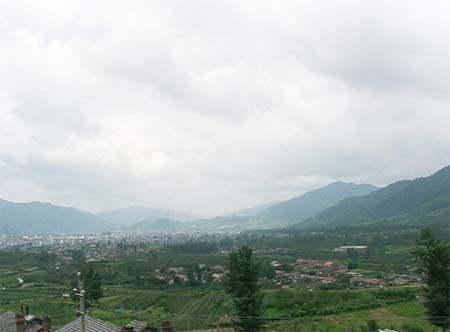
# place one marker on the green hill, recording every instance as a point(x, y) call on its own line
point(420, 201)
point(159, 225)
point(131, 215)
point(38, 217)
point(287, 212)
point(251, 211)
point(308, 205)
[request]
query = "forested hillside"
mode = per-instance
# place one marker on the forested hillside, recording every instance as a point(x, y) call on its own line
point(420, 201)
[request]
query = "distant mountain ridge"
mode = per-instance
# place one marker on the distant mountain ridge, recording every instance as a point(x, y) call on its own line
point(159, 225)
point(287, 212)
point(135, 214)
point(39, 218)
point(309, 204)
point(420, 201)
point(251, 211)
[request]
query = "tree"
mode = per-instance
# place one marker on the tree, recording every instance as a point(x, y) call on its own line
point(47, 258)
point(372, 325)
point(434, 256)
point(78, 257)
point(92, 283)
point(241, 282)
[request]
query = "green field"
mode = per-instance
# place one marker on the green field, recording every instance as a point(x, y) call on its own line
point(200, 308)
point(127, 297)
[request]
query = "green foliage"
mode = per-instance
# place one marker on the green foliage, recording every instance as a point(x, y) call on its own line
point(241, 282)
point(267, 271)
point(300, 208)
point(131, 288)
point(161, 225)
point(92, 282)
point(47, 258)
point(434, 256)
point(420, 201)
point(38, 217)
point(412, 327)
point(352, 265)
point(78, 257)
point(372, 325)
point(194, 248)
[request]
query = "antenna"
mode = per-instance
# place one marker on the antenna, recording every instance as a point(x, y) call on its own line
point(82, 297)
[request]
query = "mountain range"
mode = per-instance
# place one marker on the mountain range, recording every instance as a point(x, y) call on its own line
point(288, 212)
point(38, 217)
point(131, 215)
point(420, 201)
point(159, 225)
point(251, 211)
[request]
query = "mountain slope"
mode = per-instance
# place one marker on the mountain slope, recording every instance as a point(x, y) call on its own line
point(251, 211)
point(159, 225)
point(299, 208)
point(418, 201)
point(38, 217)
point(223, 224)
point(288, 212)
point(131, 215)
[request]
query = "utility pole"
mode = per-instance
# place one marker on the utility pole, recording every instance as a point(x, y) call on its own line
point(81, 294)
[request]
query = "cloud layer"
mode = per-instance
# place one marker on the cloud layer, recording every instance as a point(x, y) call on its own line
point(208, 106)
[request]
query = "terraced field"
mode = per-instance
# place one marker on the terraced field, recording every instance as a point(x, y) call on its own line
point(287, 310)
point(202, 308)
point(406, 317)
point(185, 308)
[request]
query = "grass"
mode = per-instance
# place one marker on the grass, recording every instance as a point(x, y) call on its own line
point(205, 307)
point(407, 317)
point(197, 308)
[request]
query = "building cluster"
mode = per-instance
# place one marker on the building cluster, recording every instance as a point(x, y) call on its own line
point(24, 242)
point(202, 274)
point(27, 242)
point(349, 248)
point(310, 273)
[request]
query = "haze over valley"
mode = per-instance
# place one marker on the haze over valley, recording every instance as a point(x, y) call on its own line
point(224, 166)
point(338, 204)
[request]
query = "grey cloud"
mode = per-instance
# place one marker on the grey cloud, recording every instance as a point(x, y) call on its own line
point(212, 106)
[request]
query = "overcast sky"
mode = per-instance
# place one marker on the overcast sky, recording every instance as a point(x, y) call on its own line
point(209, 106)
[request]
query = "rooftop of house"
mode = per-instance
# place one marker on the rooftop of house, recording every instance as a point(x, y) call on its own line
point(8, 322)
point(9, 319)
point(92, 324)
point(138, 326)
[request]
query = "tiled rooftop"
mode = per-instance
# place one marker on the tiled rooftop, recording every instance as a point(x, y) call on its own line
point(92, 324)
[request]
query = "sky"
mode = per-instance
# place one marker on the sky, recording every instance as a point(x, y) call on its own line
point(211, 106)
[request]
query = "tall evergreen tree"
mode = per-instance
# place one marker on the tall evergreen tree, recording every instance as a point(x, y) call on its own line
point(92, 283)
point(434, 256)
point(241, 282)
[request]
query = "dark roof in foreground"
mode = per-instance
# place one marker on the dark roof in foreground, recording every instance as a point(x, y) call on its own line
point(8, 322)
point(92, 324)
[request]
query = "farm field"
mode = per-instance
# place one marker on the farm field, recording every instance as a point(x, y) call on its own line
point(144, 283)
point(200, 308)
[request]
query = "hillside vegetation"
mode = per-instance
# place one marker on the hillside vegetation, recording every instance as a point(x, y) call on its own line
point(37, 217)
point(288, 212)
point(420, 201)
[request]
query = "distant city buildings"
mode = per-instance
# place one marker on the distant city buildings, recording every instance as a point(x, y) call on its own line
point(348, 248)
